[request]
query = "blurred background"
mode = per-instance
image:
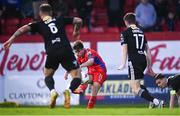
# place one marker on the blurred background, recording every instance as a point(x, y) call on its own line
point(21, 76)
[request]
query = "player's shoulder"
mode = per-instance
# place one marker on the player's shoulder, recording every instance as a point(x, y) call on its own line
point(174, 78)
point(90, 51)
point(126, 31)
point(177, 75)
point(124, 34)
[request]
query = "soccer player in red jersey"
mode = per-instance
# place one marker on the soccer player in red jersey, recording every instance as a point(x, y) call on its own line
point(96, 70)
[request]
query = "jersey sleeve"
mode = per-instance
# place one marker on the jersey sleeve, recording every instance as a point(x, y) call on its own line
point(34, 26)
point(123, 38)
point(90, 55)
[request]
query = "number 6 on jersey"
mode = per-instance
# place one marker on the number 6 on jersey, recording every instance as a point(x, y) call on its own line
point(53, 28)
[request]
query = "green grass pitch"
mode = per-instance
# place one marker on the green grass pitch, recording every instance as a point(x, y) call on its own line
point(100, 110)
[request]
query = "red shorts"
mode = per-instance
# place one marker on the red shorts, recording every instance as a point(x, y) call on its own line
point(99, 77)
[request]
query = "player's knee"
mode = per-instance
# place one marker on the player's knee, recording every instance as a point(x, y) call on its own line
point(75, 73)
point(48, 73)
point(95, 89)
point(96, 85)
point(135, 90)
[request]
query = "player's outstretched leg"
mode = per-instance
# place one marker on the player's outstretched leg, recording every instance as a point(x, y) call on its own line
point(73, 86)
point(50, 84)
point(67, 99)
point(141, 91)
point(81, 89)
point(49, 81)
point(144, 93)
point(75, 83)
point(92, 101)
point(54, 96)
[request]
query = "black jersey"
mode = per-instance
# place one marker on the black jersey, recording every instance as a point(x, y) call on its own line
point(53, 32)
point(135, 39)
point(174, 82)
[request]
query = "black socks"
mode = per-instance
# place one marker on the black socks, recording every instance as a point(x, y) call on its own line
point(75, 84)
point(49, 82)
point(144, 93)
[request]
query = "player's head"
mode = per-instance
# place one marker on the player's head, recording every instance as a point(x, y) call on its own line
point(45, 10)
point(161, 81)
point(78, 48)
point(129, 19)
point(144, 1)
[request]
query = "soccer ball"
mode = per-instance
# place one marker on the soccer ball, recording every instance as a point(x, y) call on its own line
point(85, 77)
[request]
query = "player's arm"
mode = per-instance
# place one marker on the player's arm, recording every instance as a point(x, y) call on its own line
point(148, 58)
point(66, 75)
point(172, 97)
point(22, 30)
point(148, 55)
point(124, 51)
point(77, 22)
point(178, 97)
point(87, 63)
point(123, 56)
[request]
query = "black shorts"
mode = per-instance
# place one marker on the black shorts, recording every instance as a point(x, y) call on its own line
point(136, 67)
point(65, 57)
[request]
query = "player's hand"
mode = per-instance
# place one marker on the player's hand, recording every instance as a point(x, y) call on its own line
point(150, 71)
point(66, 76)
point(121, 67)
point(7, 44)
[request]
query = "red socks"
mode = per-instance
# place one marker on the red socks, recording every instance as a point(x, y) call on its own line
point(83, 86)
point(81, 89)
point(91, 102)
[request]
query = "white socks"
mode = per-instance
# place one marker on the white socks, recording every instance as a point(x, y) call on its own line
point(156, 101)
point(53, 90)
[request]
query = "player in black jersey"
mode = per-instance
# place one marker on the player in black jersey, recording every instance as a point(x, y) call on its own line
point(134, 45)
point(172, 82)
point(57, 46)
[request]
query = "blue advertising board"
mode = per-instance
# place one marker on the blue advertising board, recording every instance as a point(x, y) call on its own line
point(116, 90)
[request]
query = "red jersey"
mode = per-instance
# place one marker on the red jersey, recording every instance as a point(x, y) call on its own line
point(98, 64)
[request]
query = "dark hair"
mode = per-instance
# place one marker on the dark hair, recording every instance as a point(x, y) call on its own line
point(130, 18)
point(45, 8)
point(78, 45)
point(159, 76)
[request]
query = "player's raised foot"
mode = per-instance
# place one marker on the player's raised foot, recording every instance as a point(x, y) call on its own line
point(161, 104)
point(78, 91)
point(151, 105)
point(54, 96)
point(67, 99)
